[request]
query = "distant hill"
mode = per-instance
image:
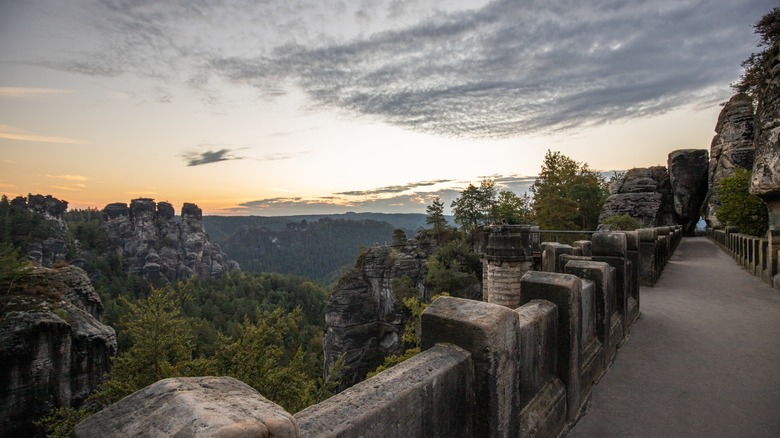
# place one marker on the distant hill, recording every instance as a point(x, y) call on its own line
point(319, 250)
point(221, 228)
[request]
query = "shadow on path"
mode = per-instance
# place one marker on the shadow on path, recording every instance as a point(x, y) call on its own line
point(703, 359)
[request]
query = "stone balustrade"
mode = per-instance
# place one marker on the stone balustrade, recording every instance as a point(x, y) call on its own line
point(758, 255)
point(524, 368)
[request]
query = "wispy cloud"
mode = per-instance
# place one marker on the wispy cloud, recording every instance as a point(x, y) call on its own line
point(394, 189)
point(500, 70)
point(11, 133)
point(69, 177)
point(27, 92)
point(70, 188)
point(193, 158)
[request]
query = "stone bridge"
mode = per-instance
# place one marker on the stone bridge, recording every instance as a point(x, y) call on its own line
point(561, 343)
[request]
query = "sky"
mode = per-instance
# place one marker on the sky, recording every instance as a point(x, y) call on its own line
point(327, 106)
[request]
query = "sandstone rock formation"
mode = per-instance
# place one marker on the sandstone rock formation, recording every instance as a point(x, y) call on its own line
point(53, 248)
point(192, 407)
point(765, 181)
point(688, 176)
point(365, 318)
point(54, 350)
point(158, 247)
point(644, 194)
point(732, 146)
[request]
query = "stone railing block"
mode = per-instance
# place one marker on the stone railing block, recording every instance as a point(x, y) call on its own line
point(585, 245)
point(610, 244)
point(428, 395)
point(191, 407)
point(565, 291)
point(489, 332)
point(542, 394)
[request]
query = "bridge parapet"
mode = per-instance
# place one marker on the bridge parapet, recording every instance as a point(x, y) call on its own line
point(486, 370)
point(760, 256)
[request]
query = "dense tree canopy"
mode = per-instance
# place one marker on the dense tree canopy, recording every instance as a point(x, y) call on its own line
point(567, 195)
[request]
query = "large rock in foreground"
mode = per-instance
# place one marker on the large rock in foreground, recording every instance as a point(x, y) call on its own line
point(191, 407)
point(688, 176)
point(765, 182)
point(54, 351)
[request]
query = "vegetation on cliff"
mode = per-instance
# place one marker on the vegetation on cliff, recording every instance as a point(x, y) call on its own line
point(739, 208)
point(754, 76)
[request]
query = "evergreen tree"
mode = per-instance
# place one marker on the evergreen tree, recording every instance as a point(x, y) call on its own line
point(435, 218)
point(768, 29)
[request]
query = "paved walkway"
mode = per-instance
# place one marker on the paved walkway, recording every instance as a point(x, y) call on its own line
point(702, 360)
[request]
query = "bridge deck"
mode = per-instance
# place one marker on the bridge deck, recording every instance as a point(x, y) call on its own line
point(703, 360)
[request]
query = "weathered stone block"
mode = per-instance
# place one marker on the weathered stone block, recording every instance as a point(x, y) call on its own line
point(489, 333)
point(551, 256)
point(192, 407)
point(542, 394)
point(585, 245)
point(565, 291)
point(603, 277)
point(609, 244)
point(429, 395)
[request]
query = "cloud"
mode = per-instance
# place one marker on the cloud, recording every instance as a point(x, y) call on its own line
point(27, 92)
point(501, 70)
point(11, 133)
point(207, 157)
point(69, 177)
point(393, 189)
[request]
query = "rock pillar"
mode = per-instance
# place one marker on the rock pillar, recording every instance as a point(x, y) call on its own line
point(765, 180)
point(508, 256)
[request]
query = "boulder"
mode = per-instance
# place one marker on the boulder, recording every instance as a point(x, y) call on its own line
point(688, 177)
point(192, 407)
point(765, 181)
point(644, 194)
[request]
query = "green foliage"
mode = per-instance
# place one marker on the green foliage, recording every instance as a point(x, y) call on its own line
point(264, 356)
point(755, 75)
point(12, 267)
point(513, 209)
point(162, 344)
point(567, 195)
point(453, 268)
point(411, 336)
point(622, 222)
point(399, 237)
point(403, 287)
point(20, 227)
point(738, 207)
point(61, 422)
point(435, 218)
point(467, 209)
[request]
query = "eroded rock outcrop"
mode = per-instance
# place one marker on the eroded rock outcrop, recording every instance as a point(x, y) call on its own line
point(365, 317)
point(688, 177)
point(49, 243)
point(644, 194)
point(731, 147)
point(160, 248)
point(54, 350)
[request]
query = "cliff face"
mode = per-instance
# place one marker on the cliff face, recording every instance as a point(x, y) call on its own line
point(54, 350)
point(365, 317)
point(765, 181)
point(158, 247)
point(644, 194)
point(731, 147)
